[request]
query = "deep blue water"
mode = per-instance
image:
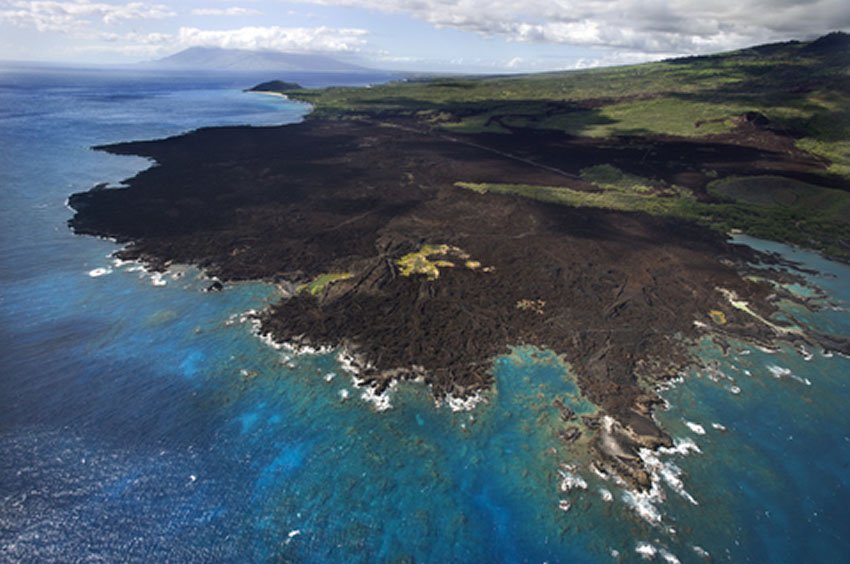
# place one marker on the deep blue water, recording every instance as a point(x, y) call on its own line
point(145, 422)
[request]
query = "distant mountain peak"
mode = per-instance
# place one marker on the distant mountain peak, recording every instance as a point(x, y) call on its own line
point(222, 59)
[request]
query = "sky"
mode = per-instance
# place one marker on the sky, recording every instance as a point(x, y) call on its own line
point(412, 35)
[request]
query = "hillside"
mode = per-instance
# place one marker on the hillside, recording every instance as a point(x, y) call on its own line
point(787, 99)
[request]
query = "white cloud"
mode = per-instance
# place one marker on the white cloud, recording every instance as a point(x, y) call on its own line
point(619, 58)
point(515, 63)
point(72, 15)
point(641, 26)
point(292, 39)
point(232, 11)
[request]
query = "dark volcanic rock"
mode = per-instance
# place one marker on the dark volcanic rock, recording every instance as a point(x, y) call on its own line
point(216, 286)
point(616, 293)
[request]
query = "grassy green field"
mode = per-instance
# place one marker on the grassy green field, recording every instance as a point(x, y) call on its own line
point(316, 286)
point(796, 88)
point(800, 87)
point(767, 207)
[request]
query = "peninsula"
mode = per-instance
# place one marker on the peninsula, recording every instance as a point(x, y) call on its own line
point(427, 226)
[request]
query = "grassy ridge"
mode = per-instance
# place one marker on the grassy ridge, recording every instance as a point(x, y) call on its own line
point(802, 88)
point(780, 209)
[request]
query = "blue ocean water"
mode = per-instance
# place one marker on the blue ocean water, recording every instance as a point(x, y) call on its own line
point(143, 421)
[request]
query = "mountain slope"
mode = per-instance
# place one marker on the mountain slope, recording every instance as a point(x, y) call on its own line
point(215, 58)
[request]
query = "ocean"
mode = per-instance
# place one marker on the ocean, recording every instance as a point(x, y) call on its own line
point(140, 419)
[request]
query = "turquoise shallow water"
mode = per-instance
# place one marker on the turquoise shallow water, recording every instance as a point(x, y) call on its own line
point(146, 422)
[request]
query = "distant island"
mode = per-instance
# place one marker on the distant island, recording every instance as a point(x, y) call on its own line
point(275, 86)
point(425, 227)
point(220, 59)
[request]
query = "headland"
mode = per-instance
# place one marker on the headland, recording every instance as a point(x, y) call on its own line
point(427, 238)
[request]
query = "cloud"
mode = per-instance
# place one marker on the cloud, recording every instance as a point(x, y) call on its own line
point(232, 11)
point(515, 63)
point(72, 15)
point(642, 26)
point(292, 39)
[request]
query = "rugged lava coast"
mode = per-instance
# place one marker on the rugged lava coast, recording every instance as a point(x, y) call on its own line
point(617, 294)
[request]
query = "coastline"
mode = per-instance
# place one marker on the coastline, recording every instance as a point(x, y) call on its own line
point(268, 93)
point(618, 336)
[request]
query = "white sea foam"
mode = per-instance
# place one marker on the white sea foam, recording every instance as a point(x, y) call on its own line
point(157, 279)
point(329, 376)
point(97, 272)
point(564, 504)
point(718, 426)
point(351, 363)
point(735, 390)
point(666, 471)
point(381, 402)
point(805, 381)
point(304, 349)
point(645, 503)
point(461, 404)
point(291, 535)
point(343, 395)
point(266, 338)
point(669, 385)
point(701, 552)
point(668, 556)
point(596, 470)
point(780, 372)
point(695, 427)
point(681, 446)
point(646, 550)
point(606, 495)
point(570, 479)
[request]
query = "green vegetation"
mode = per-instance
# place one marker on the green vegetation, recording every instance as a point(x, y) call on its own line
point(775, 191)
point(425, 261)
point(420, 261)
point(798, 87)
point(316, 286)
point(767, 207)
point(612, 178)
point(613, 199)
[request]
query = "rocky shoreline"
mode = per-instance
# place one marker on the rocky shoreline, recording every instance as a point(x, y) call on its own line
point(381, 253)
